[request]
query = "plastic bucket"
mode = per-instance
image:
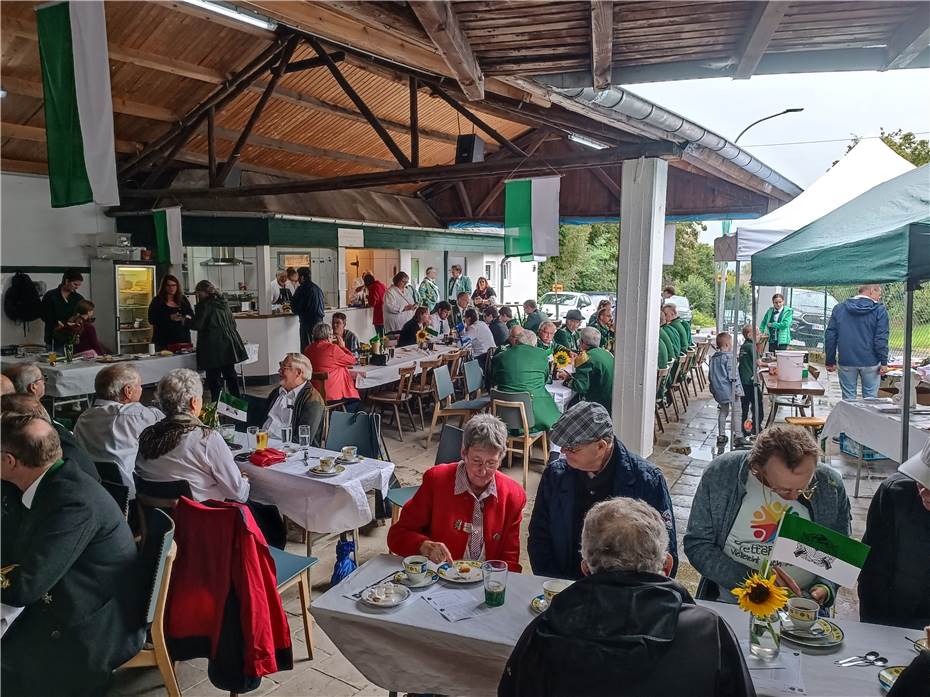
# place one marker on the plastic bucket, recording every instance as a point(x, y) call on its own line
point(790, 365)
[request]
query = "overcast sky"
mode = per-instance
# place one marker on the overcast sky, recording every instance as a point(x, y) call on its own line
point(836, 107)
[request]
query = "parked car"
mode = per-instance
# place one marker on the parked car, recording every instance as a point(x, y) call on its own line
point(598, 295)
point(557, 304)
point(682, 304)
point(809, 321)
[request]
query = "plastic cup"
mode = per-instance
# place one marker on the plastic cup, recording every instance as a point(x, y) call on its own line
point(495, 582)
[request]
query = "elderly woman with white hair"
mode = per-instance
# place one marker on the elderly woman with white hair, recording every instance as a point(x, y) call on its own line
point(465, 509)
point(625, 628)
point(525, 368)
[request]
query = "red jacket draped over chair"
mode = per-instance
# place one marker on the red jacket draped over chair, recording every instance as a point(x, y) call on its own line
point(434, 510)
point(331, 358)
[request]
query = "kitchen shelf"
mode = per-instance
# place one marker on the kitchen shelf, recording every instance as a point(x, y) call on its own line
point(131, 307)
point(135, 329)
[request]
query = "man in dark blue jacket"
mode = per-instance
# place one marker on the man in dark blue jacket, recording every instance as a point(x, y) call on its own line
point(594, 466)
point(308, 305)
point(858, 332)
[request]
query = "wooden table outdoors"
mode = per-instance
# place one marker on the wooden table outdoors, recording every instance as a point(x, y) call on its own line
point(775, 388)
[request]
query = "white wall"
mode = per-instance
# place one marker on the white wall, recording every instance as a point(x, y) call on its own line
point(32, 233)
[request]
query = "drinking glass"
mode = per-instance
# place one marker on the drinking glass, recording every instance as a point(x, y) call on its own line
point(495, 582)
point(304, 435)
point(286, 432)
point(252, 432)
point(261, 440)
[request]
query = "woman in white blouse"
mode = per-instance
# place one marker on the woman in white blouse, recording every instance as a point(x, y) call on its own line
point(480, 333)
point(399, 303)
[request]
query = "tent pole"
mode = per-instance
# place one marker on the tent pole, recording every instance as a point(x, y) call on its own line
point(734, 419)
point(756, 392)
point(906, 397)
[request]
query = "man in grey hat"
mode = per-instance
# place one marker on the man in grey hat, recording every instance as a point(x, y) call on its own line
point(893, 582)
point(593, 466)
point(568, 334)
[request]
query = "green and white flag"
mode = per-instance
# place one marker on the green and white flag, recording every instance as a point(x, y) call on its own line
point(233, 407)
point(78, 105)
point(531, 218)
point(820, 550)
point(168, 246)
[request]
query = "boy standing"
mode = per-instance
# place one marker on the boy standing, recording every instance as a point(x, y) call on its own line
point(724, 386)
point(752, 395)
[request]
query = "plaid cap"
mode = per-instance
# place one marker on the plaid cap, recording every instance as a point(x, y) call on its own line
point(585, 422)
point(574, 314)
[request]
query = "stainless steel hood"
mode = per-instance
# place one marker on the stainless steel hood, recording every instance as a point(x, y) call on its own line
point(224, 256)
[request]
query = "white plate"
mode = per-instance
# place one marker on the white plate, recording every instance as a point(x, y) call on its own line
point(400, 594)
point(317, 472)
point(538, 604)
point(452, 573)
point(402, 578)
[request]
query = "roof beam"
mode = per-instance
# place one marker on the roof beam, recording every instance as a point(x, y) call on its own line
point(765, 20)
point(36, 134)
point(910, 39)
point(463, 172)
point(23, 166)
point(602, 42)
point(310, 63)
point(439, 20)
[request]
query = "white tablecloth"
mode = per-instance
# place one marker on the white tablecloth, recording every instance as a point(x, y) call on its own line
point(560, 393)
point(413, 648)
point(77, 378)
point(881, 432)
point(368, 376)
point(318, 504)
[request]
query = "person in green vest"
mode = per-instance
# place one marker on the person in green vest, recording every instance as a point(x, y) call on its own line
point(506, 316)
point(568, 334)
point(592, 320)
point(605, 325)
point(428, 292)
point(593, 378)
point(776, 323)
point(546, 335)
point(525, 368)
point(676, 323)
point(534, 317)
point(752, 395)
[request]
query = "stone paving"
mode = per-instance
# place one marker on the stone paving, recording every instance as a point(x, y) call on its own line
point(682, 452)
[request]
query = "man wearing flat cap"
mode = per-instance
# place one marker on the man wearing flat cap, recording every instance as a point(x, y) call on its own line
point(593, 466)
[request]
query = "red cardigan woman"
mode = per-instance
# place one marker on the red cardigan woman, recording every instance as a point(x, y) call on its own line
point(468, 509)
point(332, 358)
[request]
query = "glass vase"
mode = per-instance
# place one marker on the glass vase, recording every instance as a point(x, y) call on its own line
point(69, 353)
point(765, 635)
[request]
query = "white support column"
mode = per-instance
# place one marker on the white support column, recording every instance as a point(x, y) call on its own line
point(639, 281)
point(264, 275)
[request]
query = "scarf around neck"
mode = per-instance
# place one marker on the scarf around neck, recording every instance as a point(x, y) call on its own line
point(165, 435)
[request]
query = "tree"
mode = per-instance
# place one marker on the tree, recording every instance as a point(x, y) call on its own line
point(692, 258)
point(699, 292)
point(913, 149)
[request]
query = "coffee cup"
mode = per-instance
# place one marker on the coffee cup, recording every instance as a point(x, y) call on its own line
point(416, 568)
point(803, 612)
point(327, 464)
point(553, 587)
point(349, 452)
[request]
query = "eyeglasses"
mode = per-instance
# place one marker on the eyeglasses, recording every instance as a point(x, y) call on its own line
point(807, 493)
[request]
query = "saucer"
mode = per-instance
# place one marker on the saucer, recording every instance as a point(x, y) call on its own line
point(351, 461)
point(317, 472)
point(402, 578)
point(539, 604)
point(399, 595)
point(831, 634)
point(456, 572)
point(887, 676)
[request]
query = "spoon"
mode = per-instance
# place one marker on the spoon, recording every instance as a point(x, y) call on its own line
point(870, 656)
point(880, 661)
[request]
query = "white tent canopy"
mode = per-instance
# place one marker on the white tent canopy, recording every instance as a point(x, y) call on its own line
point(868, 164)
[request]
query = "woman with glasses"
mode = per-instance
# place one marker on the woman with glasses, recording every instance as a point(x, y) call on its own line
point(739, 502)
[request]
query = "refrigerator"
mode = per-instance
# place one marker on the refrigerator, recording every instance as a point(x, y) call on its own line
point(122, 292)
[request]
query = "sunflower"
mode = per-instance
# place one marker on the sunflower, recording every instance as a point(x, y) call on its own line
point(760, 595)
point(422, 336)
point(562, 359)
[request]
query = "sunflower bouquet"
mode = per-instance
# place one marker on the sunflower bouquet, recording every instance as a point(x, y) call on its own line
point(562, 359)
point(422, 338)
point(759, 596)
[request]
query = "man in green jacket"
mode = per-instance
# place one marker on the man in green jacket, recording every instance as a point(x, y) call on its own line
point(525, 368)
point(506, 315)
point(568, 334)
point(605, 325)
point(672, 341)
point(676, 323)
point(534, 317)
point(776, 323)
point(593, 379)
point(663, 352)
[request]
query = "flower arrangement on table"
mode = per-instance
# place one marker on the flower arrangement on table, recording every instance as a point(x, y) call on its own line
point(759, 596)
point(69, 332)
point(422, 338)
point(562, 359)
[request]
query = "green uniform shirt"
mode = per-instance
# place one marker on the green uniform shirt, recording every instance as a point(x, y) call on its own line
point(523, 368)
point(428, 293)
point(683, 334)
point(607, 336)
point(568, 339)
point(674, 339)
point(663, 353)
point(593, 380)
point(512, 323)
point(745, 362)
point(533, 320)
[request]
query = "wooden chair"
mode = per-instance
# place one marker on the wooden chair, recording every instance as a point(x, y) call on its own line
point(516, 410)
point(449, 450)
point(319, 381)
point(158, 552)
point(396, 398)
point(454, 360)
point(661, 382)
point(673, 370)
point(697, 366)
point(445, 407)
point(679, 385)
point(294, 570)
point(423, 388)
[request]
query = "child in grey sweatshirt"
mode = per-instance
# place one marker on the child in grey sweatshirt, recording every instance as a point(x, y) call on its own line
point(724, 382)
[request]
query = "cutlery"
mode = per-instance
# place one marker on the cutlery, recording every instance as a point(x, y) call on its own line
point(880, 661)
point(870, 656)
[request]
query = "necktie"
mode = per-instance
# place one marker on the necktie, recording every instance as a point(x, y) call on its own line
point(476, 537)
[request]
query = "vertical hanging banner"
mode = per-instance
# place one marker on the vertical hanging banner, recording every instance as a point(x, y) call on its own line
point(531, 217)
point(78, 103)
point(168, 247)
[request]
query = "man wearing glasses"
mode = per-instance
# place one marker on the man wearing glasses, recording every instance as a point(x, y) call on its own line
point(593, 466)
point(739, 502)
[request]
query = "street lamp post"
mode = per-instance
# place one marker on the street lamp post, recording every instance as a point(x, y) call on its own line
point(792, 110)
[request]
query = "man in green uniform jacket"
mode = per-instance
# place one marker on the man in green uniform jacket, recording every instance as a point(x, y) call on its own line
point(533, 316)
point(568, 334)
point(593, 380)
point(676, 323)
point(525, 368)
point(672, 336)
point(663, 352)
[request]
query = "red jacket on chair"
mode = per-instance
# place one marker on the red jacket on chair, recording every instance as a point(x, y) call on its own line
point(436, 513)
point(223, 601)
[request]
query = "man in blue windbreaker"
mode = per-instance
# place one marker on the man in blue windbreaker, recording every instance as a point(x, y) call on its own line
point(857, 341)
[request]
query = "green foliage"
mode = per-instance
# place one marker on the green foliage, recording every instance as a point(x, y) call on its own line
point(699, 292)
point(692, 258)
point(587, 259)
point(699, 320)
point(913, 149)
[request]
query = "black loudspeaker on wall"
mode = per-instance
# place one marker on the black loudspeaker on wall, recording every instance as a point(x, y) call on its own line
point(469, 148)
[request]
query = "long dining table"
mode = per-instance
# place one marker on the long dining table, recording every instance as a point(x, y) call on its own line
point(413, 648)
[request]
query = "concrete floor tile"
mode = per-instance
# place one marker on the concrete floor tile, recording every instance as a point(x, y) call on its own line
point(313, 682)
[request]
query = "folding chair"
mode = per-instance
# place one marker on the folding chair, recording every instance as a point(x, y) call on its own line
point(319, 381)
point(515, 409)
